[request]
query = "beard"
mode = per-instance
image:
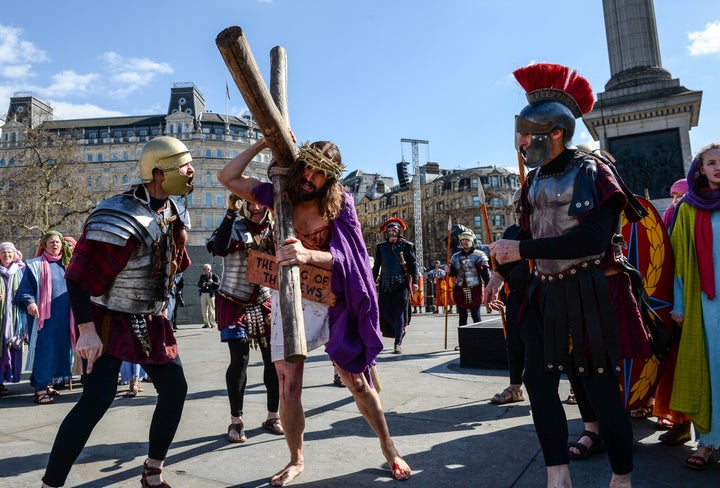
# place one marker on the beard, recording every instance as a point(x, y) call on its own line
point(305, 196)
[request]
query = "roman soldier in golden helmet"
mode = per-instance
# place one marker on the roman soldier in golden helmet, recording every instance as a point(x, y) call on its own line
point(471, 269)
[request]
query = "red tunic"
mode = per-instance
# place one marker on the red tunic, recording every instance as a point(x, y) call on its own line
point(93, 267)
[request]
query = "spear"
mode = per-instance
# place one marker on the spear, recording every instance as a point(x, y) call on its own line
point(447, 284)
point(486, 221)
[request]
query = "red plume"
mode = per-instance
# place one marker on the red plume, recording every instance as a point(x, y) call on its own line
point(544, 76)
point(394, 220)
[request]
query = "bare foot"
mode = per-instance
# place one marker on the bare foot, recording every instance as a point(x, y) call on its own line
point(400, 469)
point(291, 471)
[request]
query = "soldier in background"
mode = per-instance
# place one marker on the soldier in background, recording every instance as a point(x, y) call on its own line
point(396, 272)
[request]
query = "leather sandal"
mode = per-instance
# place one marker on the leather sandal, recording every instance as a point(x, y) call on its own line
point(133, 389)
point(508, 395)
point(240, 429)
point(584, 451)
point(274, 426)
point(150, 471)
point(698, 462)
point(678, 434)
point(643, 411)
point(43, 398)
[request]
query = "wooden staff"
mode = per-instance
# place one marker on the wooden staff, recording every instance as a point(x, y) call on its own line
point(240, 61)
point(493, 264)
point(447, 282)
point(521, 168)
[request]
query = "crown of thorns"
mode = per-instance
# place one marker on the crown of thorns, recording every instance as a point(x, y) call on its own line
point(314, 157)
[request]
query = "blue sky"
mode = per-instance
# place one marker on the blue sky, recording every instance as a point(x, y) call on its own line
point(363, 74)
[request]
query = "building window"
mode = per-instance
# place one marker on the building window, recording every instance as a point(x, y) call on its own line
point(474, 183)
point(219, 200)
point(208, 221)
point(189, 199)
point(98, 181)
point(208, 177)
point(218, 153)
point(144, 133)
point(156, 132)
point(12, 162)
point(126, 156)
point(476, 201)
point(218, 220)
point(497, 202)
point(115, 157)
point(208, 153)
point(497, 220)
point(118, 134)
point(477, 221)
point(125, 180)
point(208, 199)
point(92, 135)
point(131, 133)
point(99, 158)
point(2, 163)
point(89, 158)
point(89, 182)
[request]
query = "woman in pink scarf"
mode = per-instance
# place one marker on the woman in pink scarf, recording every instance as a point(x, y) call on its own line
point(43, 294)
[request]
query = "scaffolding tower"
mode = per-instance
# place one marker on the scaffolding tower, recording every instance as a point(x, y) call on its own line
point(417, 204)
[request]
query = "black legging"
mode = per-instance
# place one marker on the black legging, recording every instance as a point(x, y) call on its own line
point(603, 393)
point(394, 306)
point(236, 376)
point(99, 389)
point(463, 314)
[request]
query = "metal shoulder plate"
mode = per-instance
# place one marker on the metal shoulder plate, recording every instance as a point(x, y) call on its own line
point(118, 218)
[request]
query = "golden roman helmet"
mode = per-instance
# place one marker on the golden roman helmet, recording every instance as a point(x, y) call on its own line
point(169, 155)
point(470, 236)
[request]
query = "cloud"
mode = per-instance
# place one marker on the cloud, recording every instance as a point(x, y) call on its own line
point(705, 41)
point(16, 55)
point(69, 82)
point(127, 75)
point(71, 111)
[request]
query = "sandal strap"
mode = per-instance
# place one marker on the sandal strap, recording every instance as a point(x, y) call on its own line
point(150, 471)
point(595, 438)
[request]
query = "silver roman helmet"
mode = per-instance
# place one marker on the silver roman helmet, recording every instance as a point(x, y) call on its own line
point(557, 96)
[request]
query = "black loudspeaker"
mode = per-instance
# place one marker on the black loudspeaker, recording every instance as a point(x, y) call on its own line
point(403, 176)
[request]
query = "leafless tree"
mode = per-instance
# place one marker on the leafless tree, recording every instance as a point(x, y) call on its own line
point(44, 187)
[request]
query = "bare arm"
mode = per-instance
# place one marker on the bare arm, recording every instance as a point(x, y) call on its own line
point(232, 177)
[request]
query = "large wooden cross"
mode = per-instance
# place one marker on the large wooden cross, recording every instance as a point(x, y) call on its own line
point(271, 114)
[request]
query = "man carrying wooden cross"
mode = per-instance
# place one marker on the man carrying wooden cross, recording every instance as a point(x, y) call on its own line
point(328, 236)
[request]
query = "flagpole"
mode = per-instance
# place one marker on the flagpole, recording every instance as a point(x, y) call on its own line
point(227, 102)
point(447, 282)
